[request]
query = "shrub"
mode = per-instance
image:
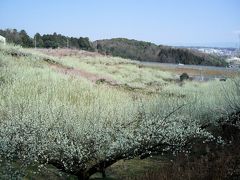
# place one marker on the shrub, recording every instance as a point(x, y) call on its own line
point(184, 76)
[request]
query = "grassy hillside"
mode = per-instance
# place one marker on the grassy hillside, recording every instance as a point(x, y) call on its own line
point(81, 110)
point(145, 51)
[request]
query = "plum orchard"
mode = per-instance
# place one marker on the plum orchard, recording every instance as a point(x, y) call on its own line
point(81, 128)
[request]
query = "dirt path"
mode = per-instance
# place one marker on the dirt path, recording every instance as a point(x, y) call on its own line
point(81, 73)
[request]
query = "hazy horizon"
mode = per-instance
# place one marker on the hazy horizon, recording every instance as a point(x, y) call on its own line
point(176, 23)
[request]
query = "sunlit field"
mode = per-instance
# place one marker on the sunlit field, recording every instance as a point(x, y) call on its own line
point(75, 113)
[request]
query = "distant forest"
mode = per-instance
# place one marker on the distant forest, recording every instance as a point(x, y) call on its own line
point(146, 51)
point(46, 40)
point(125, 48)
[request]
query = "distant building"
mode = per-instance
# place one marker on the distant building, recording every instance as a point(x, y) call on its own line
point(2, 40)
point(234, 62)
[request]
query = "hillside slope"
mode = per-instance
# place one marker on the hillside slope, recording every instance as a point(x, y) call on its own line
point(146, 51)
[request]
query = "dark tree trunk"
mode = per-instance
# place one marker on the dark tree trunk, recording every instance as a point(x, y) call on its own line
point(103, 173)
point(83, 176)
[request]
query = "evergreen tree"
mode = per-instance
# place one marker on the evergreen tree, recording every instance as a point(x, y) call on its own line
point(46, 40)
point(25, 39)
point(39, 41)
point(84, 44)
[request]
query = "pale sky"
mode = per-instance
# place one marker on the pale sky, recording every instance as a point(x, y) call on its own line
point(169, 22)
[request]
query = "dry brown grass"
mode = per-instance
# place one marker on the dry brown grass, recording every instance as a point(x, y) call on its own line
point(62, 52)
point(197, 72)
point(223, 164)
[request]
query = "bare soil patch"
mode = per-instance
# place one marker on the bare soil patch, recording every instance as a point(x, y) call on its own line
point(82, 73)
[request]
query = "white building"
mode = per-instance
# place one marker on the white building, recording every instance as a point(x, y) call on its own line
point(2, 40)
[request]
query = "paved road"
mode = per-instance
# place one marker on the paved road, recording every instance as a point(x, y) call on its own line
point(198, 67)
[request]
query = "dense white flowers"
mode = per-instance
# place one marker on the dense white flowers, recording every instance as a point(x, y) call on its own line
point(47, 117)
